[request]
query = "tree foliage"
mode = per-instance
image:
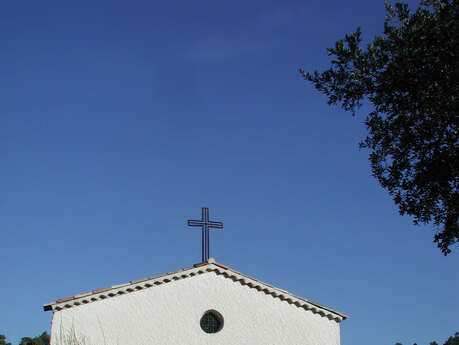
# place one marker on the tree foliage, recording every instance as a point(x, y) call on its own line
point(3, 340)
point(43, 339)
point(453, 340)
point(410, 76)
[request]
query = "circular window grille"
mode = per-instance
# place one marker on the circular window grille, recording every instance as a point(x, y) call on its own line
point(211, 321)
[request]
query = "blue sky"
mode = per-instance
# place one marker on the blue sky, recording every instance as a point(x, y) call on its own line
point(120, 121)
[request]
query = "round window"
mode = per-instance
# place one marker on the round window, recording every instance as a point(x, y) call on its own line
point(211, 321)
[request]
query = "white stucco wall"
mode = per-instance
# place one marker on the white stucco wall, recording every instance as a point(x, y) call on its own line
point(170, 314)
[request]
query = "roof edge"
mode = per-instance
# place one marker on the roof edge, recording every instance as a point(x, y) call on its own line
point(196, 269)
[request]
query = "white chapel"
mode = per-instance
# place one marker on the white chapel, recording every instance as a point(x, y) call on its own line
point(208, 303)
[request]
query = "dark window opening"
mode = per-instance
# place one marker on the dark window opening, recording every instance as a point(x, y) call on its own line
point(211, 321)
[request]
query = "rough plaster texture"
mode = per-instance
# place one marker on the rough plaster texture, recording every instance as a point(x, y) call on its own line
point(170, 314)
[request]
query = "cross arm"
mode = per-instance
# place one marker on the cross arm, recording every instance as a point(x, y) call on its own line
point(215, 225)
point(195, 223)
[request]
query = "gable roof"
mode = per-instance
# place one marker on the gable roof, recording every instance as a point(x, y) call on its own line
point(197, 269)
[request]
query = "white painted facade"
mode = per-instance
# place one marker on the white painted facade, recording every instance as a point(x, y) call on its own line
point(167, 310)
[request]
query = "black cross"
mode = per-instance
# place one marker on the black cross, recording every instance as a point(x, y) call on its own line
point(205, 224)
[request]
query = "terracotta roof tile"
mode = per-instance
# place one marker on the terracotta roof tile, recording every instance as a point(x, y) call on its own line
point(222, 266)
point(200, 264)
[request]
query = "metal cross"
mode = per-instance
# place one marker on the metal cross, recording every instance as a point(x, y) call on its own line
point(205, 224)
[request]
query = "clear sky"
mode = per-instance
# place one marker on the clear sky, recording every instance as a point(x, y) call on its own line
point(120, 120)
